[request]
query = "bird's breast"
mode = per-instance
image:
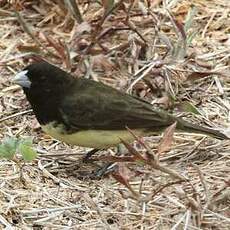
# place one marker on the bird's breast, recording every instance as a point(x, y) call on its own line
point(90, 138)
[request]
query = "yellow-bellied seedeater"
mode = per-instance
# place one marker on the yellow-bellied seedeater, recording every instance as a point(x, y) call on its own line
point(83, 112)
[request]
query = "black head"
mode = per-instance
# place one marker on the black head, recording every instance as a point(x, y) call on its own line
point(44, 85)
point(42, 76)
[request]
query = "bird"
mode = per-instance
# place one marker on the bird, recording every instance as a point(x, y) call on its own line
point(83, 112)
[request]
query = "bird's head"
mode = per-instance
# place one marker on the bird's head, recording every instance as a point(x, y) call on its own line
point(42, 76)
point(44, 85)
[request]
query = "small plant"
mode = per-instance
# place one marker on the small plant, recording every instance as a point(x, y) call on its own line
point(12, 145)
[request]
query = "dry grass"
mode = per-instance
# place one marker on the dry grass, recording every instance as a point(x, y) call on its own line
point(52, 191)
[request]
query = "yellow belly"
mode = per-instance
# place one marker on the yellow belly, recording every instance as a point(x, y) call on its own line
point(91, 138)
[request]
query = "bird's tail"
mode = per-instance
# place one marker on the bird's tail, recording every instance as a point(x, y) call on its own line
point(190, 127)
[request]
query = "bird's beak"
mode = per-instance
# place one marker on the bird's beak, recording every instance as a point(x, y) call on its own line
point(22, 79)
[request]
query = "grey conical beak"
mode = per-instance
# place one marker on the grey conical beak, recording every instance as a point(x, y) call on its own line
point(22, 79)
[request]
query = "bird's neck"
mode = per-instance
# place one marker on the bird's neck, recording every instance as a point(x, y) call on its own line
point(45, 106)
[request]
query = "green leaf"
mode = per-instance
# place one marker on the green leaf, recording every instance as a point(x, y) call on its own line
point(189, 107)
point(8, 147)
point(27, 152)
point(27, 141)
point(4, 153)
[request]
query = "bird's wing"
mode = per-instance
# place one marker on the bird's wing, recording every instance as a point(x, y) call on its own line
point(108, 109)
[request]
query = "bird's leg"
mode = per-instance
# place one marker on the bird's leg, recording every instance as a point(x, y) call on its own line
point(89, 154)
point(109, 167)
point(103, 170)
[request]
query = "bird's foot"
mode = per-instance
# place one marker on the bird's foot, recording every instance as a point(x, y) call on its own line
point(86, 158)
point(103, 170)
